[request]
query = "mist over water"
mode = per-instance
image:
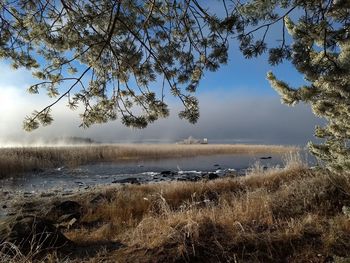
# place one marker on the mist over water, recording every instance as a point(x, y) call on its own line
point(226, 116)
point(228, 119)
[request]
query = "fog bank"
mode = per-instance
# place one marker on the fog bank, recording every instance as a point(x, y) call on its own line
point(224, 119)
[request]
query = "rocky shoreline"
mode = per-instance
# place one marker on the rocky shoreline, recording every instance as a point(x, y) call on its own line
point(31, 220)
point(79, 186)
point(8, 196)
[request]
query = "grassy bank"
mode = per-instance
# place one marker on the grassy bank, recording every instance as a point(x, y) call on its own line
point(290, 215)
point(19, 160)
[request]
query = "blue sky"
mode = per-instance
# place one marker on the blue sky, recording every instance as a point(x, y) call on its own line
point(248, 76)
point(237, 105)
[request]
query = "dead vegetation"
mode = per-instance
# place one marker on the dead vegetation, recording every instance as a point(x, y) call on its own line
point(290, 215)
point(32, 159)
point(280, 215)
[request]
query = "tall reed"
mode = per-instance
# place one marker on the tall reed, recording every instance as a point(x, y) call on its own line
point(19, 160)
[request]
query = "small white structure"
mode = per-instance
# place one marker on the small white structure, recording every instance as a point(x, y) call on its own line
point(192, 140)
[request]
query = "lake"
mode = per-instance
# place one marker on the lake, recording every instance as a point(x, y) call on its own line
point(85, 176)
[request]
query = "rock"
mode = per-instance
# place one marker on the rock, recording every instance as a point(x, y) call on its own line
point(193, 178)
point(182, 179)
point(167, 173)
point(212, 176)
point(4, 206)
point(130, 180)
point(189, 177)
point(265, 157)
point(68, 207)
point(65, 208)
point(30, 234)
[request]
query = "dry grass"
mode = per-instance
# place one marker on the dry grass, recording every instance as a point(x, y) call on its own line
point(19, 160)
point(281, 215)
point(292, 215)
point(258, 224)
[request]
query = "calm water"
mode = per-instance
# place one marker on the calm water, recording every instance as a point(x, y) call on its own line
point(65, 179)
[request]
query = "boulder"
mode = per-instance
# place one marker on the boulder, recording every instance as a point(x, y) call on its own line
point(30, 234)
point(167, 173)
point(130, 180)
point(183, 179)
point(189, 177)
point(212, 176)
point(265, 157)
point(64, 210)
